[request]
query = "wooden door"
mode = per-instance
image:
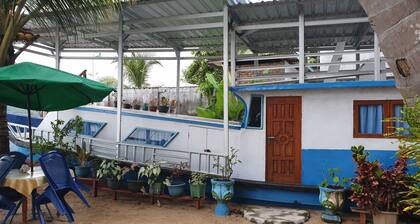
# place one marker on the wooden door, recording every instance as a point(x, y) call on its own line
point(283, 143)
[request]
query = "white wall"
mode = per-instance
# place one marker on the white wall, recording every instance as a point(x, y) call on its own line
point(327, 119)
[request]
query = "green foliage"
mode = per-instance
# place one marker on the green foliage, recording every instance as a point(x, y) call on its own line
point(109, 81)
point(410, 148)
point(375, 188)
point(151, 171)
point(137, 71)
point(197, 72)
point(110, 169)
point(178, 171)
point(215, 108)
point(82, 155)
point(227, 168)
point(333, 180)
point(198, 178)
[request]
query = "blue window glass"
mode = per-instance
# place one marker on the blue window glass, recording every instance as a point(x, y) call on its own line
point(146, 136)
point(370, 119)
point(398, 114)
point(91, 128)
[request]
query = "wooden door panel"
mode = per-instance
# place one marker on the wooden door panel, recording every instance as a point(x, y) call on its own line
point(283, 147)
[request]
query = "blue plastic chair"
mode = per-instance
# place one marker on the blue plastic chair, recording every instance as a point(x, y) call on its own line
point(19, 158)
point(9, 198)
point(60, 183)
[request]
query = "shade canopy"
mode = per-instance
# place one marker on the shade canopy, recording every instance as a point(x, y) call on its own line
point(48, 89)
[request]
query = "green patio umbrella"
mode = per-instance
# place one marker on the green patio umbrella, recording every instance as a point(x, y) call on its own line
point(35, 87)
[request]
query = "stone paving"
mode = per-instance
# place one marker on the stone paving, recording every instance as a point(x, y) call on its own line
point(275, 215)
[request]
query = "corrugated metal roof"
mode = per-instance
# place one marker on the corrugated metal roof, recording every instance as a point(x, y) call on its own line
point(156, 15)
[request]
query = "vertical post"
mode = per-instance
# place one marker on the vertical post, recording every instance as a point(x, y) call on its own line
point(226, 77)
point(120, 76)
point(178, 78)
point(233, 57)
point(377, 58)
point(301, 48)
point(57, 53)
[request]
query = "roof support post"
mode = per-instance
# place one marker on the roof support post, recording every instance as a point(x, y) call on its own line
point(57, 52)
point(120, 76)
point(301, 48)
point(233, 57)
point(377, 58)
point(178, 78)
point(226, 77)
point(57, 48)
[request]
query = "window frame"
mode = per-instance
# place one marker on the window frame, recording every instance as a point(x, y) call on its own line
point(262, 112)
point(103, 124)
point(175, 133)
point(388, 112)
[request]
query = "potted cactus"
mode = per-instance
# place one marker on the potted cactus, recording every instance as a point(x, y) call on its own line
point(198, 184)
point(331, 195)
point(223, 188)
point(175, 182)
point(112, 172)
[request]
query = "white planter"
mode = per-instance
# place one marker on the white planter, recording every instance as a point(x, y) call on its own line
point(382, 217)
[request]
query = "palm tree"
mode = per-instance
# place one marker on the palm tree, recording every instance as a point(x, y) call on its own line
point(137, 71)
point(66, 14)
point(398, 29)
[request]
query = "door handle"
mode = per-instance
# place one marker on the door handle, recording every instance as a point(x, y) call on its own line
point(270, 137)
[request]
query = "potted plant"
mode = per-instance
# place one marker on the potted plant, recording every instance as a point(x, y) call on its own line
point(134, 181)
point(153, 105)
point(331, 195)
point(175, 183)
point(84, 168)
point(152, 172)
point(172, 106)
point(223, 188)
point(375, 189)
point(198, 184)
point(163, 106)
point(145, 106)
point(136, 104)
point(126, 105)
point(112, 172)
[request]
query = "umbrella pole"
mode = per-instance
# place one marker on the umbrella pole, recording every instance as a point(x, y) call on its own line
point(30, 134)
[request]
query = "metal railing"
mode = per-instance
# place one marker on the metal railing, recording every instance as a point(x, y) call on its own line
point(133, 153)
point(289, 72)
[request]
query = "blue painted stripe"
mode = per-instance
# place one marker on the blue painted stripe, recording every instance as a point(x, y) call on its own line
point(23, 119)
point(328, 85)
point(161, 118)
point(315, 163)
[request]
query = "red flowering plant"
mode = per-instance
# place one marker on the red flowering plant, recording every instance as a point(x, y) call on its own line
point(374, 188)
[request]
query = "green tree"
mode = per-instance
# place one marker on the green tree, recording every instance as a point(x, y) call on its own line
point(215, 108)
point(137, 71)
point(197, 72)
point(66, 14)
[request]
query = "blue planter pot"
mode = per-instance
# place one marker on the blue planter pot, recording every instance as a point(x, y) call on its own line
point(82, 171)
point(332, 200)
point(222, 191)
point(176, 189)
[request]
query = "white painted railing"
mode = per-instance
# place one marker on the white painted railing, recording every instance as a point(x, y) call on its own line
point(133, 153)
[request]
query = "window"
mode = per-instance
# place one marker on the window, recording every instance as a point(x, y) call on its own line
point(255, 112)
point(397, 113)
point(90, 128)
point(369, 116)
point(146, 136)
